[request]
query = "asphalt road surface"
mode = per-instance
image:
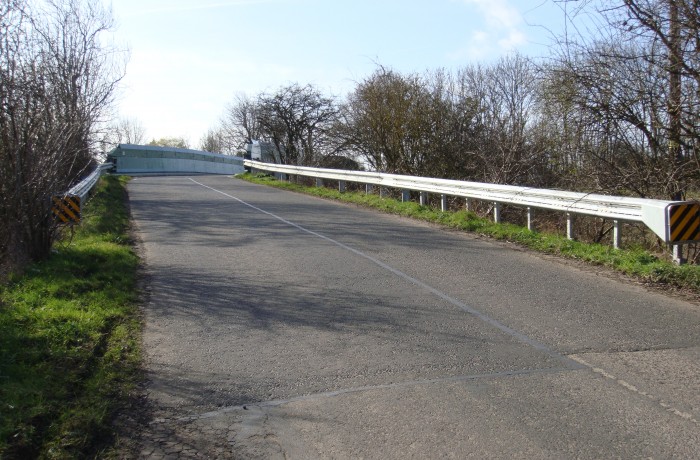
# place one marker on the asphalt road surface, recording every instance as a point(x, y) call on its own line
point(284, 326)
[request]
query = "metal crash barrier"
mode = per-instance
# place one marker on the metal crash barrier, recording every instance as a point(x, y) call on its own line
point(675, 222)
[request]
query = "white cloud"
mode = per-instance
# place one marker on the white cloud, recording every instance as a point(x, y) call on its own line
point(503, 34)
point(513, 40)
point(498, 13)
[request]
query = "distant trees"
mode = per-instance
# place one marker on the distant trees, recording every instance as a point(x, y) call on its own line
point(385, 122)
point(213, 141)
point(240, 124)
point(297, 120)
point(123, 131)
point(177, 142)
point(56, 81)
point(506, 137)
point(617, 111)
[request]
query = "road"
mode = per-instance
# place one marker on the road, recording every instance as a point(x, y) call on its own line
point(284, 326)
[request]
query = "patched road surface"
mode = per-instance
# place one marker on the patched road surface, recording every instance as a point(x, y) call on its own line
point(283, 326)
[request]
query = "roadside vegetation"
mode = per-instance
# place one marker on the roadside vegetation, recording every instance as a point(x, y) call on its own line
point(634, 261)
point(69, 337)
point(612, 108)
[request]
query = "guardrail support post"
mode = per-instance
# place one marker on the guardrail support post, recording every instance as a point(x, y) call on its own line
point(529, 218)
point(468, 205)
point(405, 196)
point(423, 198)
point(443, 202)
point(341, 186)
point(368, 189)
point(617, 237)
point(497, 212)
point(569, 225)
point(319, 182)
point(678, 254)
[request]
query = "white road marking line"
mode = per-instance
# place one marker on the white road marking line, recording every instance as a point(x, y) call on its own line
point(572, 363)
point(634, 389)
point(483, 317)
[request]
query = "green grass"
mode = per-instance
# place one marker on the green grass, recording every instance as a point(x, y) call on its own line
point(635, 262)
point(69, 338)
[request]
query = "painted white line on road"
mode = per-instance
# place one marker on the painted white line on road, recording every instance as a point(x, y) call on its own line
point(628, 386)
point(387, 386)
point(457, 303)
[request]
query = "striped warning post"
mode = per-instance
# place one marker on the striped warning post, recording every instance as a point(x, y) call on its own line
point(684, 222)
point(66, 209)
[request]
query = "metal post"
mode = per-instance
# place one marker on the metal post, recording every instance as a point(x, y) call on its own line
point(368, 188)
point(497, 212)
point(529, 218)
point(423, 198)
point(341, 186)
point(617, 237)
point(569, 225)
point(678, 254)
point(319, 182)
point(405, 196)
point(443, 202)
point(468, 205)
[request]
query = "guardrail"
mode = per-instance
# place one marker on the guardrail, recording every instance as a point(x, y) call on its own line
point(66, 208)
point(675, 222)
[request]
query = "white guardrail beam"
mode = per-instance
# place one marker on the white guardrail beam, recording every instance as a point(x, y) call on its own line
point(675, 222)
point(83, 188)
point(66, 208)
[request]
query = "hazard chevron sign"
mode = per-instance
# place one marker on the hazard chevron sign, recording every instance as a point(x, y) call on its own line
point(684, 222)
point(66, 209)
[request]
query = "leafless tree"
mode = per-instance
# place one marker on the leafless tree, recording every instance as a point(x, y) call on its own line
point(508, 145)
point(177, 142)
point(297, 120)
point(239, 125)
point(129, 131)
point(402, 123)
point(637, 83)
point(56, 82)
point(213, 141)
point(125, 130)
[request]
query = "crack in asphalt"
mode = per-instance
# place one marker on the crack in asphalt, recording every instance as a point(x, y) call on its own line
point(365, 388)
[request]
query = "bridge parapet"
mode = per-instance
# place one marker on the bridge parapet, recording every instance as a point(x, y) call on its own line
point(148, 159)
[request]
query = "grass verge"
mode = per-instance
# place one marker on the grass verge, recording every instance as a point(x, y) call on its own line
point(69, 338)
point(635, 262)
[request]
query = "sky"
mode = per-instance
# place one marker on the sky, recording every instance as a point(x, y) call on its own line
point(189, 58)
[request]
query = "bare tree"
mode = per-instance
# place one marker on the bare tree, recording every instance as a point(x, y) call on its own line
point(240, 124)
point(129, 131)
point(56, 82)
point(639, 83)
point(177, 142)
point(383, 123)
point(213, 141)
point(297, 120)
point(124, 130)
point(507, 144)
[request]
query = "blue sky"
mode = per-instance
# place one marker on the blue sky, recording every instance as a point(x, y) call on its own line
point(188, 58)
